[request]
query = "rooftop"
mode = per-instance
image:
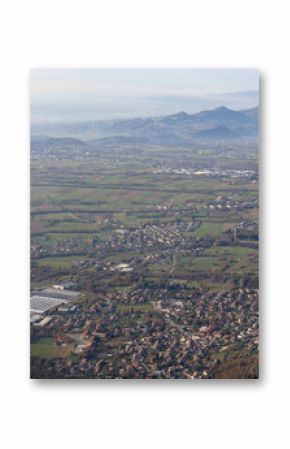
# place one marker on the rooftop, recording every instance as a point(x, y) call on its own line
point(58, 293)
point(41, 304)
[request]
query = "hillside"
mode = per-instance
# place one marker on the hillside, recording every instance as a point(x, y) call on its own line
point(220, 123)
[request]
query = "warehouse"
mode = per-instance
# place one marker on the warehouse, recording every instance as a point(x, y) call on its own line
point(66, 295)
point(41, 304)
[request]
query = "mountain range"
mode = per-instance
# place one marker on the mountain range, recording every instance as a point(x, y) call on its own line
point(219, 124)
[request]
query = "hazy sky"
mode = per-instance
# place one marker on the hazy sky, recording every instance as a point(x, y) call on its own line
point(64, 94)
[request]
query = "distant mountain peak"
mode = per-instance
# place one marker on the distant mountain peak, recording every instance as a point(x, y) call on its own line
point(222, 109)
point(179, 115)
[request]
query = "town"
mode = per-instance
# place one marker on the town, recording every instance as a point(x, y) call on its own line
point(143, 271)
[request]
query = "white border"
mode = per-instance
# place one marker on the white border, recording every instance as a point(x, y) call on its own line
point(137, 33)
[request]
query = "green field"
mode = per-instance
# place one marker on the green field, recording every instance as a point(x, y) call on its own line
point(134, 308)
point(216, 260)
point(59, 262)
point(47, 349)
point(209, 229)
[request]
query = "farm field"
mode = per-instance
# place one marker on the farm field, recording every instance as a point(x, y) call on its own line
point(46, 348)
point(74, 203)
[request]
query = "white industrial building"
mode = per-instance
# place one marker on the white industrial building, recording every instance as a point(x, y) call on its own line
point(41, 304)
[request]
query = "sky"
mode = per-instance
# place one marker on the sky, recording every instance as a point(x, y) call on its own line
point(96, 94)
